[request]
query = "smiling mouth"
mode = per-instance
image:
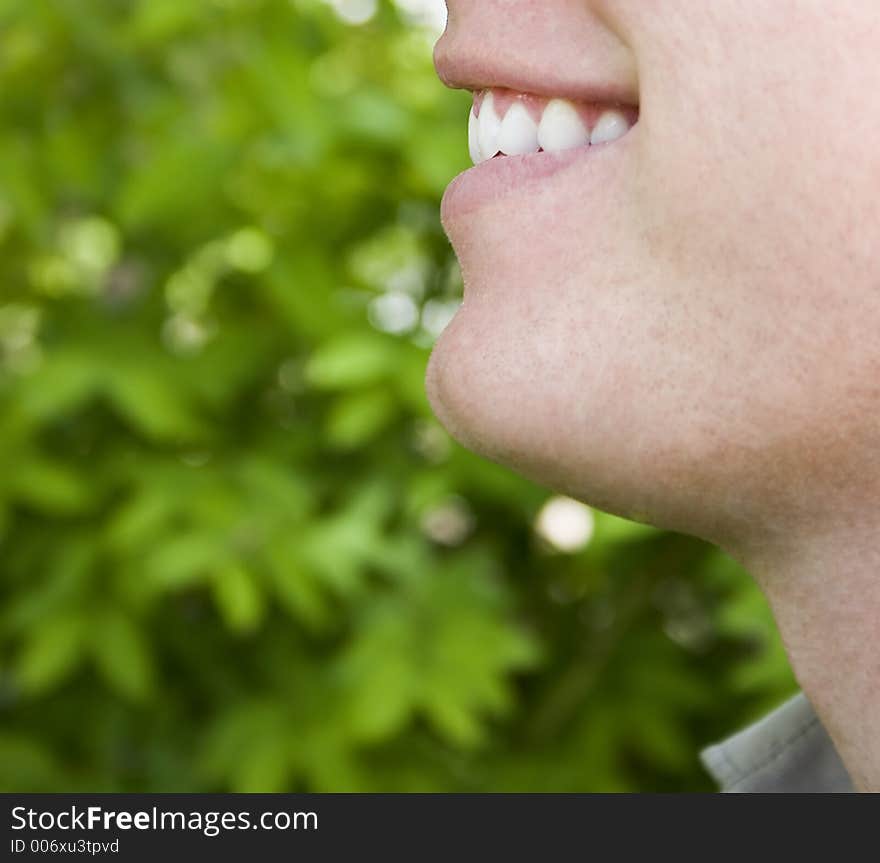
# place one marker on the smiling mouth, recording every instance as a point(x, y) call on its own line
point(504, 122)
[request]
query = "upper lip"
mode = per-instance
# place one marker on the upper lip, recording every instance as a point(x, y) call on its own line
point(464, 69)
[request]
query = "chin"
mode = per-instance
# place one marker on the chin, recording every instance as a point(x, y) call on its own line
point(614, 440)
point(456, 385)
point(501, 397)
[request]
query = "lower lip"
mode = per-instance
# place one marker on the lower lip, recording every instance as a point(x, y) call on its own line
point(495, 179)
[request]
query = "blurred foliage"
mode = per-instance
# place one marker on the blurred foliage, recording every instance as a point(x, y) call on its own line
point(237, 551)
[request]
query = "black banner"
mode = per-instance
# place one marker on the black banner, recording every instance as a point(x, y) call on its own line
point(418, 826)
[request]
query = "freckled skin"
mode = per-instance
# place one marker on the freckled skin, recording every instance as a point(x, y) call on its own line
point(690, 335)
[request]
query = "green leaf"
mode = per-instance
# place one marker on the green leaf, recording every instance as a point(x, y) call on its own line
point(28, 765)
point(352, 360)
point(265, 770)
point(238, 598)
point(444, 652)
point(122, 655)
point(359, 417)
point(298, 589)
point(183, 560)
point(610, 528)
point(371, 116)
point(51, 652)
point(249, 745)
point(50, 486)
point(65, 381)
point(154, 406)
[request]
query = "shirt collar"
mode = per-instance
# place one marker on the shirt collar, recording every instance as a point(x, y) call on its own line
point(787, 751)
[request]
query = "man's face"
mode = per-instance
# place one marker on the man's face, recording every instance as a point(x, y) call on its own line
point(681, 326)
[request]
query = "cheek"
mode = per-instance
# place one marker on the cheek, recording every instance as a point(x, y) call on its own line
point(760, 171)
point(757, 196)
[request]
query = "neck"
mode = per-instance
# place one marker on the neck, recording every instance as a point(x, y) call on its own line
point(825, 595)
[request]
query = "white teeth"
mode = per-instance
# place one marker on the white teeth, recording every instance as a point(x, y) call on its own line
point(474, 138)
point(561, 127)
point(519, 132)
point(610, 126)
point(490, 126)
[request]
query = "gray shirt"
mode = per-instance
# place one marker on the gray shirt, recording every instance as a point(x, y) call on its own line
point(787, 751)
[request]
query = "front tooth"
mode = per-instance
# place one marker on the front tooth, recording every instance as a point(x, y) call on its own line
point(474, 138)
point(610, 126)
point(519, 132)
point(490, 126)
point(561, 127)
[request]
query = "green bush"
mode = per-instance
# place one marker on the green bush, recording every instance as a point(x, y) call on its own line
point(236, 550)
